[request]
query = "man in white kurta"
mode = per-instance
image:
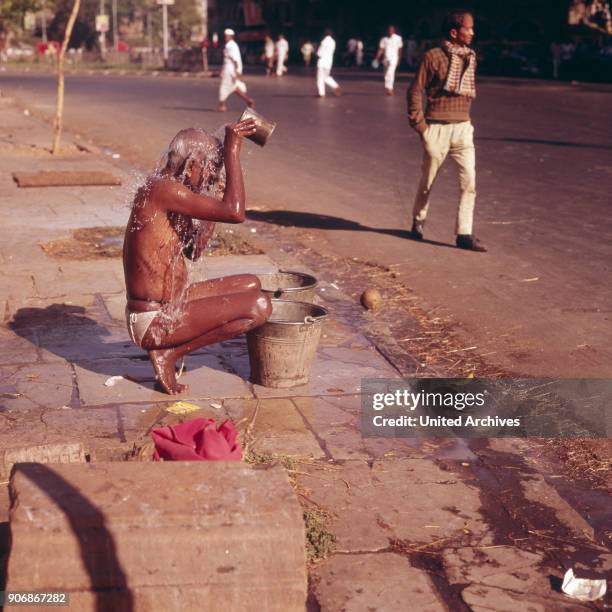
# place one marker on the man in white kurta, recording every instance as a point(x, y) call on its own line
point(325, 53)
point(231, 71)
point(390, 48)
point(268, 55)
point(282, 51)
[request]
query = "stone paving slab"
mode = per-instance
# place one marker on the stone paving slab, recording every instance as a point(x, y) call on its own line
point(234, 530)
point(384, 581)
point(115, 305)
point(17, 349)
point(36, 385)
point(279, 429)
point(87, 341)
point(489, 599)
point(206, 377)
point(335, 421)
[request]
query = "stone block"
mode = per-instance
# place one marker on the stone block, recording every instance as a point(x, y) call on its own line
point(158, 536)
point(71, 452)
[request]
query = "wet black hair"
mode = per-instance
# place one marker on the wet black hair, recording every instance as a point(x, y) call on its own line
point(454, 20)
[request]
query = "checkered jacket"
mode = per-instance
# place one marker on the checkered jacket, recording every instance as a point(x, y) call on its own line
point(441, 105)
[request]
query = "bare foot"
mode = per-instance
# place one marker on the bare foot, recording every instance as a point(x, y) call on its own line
point(222, 108)
point(337, 92)
point(250, 103)
point(164, 362)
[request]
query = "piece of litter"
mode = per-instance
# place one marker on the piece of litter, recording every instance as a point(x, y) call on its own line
point(182, 408)
point(465, 464)
point(582, 589)
point(112, 381)
point(334, 286)
point(26, 112)
point(115, 156)
point(253, 230)
point(322, 288)
point(216, 405)
point(66, 408)
point(530, 280)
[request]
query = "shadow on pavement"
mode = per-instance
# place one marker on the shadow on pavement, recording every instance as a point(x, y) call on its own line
point(99, 553)
point(65, 331)
point(291, 218)
point(555, 143)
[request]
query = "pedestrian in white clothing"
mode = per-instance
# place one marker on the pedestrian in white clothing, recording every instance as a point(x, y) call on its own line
point(282, 51)
point(231, 71)
point(359, 53)
point(391, 48)
point(268, 55)
point(325, 53)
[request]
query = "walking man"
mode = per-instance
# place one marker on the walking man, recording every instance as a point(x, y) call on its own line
point(268, 55)
point(447, 77)
point(231, 71)
point(282, 51)
point(391, 48)
point(325, 53)
point(307, 50)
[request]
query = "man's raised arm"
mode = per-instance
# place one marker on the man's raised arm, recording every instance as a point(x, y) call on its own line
point(176, 197)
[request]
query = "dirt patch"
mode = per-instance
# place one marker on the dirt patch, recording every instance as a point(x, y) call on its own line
point(585, 459)
point(227, 242)
point(24, 150)
point(87, 243)
point(65, 178)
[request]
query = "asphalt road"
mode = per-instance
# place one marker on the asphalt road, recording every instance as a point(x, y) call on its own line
point(538, 303)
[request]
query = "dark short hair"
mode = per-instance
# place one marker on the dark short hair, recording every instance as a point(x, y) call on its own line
point(454, 20)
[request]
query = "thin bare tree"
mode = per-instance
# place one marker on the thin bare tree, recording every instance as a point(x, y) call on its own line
point(59, 112)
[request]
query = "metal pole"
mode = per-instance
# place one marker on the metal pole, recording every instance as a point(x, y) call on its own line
point(102, 34)
point(115, 28)
point(165, 26)
point(150, 31)
point(205, 34)
point(43, 24)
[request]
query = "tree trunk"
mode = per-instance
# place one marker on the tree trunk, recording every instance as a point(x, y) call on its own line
point(57, 124)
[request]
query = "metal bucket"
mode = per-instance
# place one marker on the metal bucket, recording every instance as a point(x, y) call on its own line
point(282, 350)
point(288, 285)
point(263, 127)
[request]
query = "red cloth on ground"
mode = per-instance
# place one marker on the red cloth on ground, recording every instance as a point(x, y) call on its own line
point(197, 440)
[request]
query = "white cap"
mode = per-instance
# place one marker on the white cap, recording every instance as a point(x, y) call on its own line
point(229, 32)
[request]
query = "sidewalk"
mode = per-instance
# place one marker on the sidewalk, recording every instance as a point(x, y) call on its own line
point(416, 525)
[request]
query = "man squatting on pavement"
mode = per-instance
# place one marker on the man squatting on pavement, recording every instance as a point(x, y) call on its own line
point(230, 71)
point(447, 76)
point(325, 61)
point(391, 46)
point(173, 216)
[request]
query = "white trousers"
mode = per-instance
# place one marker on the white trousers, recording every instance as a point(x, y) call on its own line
point(280, 64)
point(456, 140)
point(324, 78)
point(390, 68)
point(229, 84)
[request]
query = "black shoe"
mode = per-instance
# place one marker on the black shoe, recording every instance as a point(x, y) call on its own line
point(417, 229)
point(470, 243)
